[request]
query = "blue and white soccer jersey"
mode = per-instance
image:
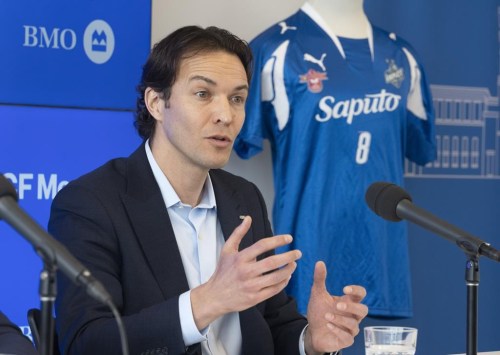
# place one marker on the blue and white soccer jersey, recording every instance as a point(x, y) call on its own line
point(340, 114)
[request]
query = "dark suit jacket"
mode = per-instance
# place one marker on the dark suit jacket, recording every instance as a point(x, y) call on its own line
point(115, 221)
point(12, 341)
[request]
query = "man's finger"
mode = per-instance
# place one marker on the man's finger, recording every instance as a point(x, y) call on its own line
point(320, 276)
point(265, 245)
point(277, 276)
point(355, 293)
point(275, 262)
point(233, 242)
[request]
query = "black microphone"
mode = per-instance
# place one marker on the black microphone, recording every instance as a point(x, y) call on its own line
point(46, 246)
point(392, 203)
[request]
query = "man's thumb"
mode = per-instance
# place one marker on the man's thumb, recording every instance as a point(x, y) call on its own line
point(320, 275)
point(233, 242)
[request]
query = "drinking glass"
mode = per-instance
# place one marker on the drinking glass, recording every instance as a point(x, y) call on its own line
point(382, 340)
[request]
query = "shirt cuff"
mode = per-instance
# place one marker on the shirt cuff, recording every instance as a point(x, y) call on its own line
point(190, 333)
point(302, 347)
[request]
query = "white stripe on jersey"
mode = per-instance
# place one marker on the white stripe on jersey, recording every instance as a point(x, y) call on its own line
point(273, 84)
point(415, 102)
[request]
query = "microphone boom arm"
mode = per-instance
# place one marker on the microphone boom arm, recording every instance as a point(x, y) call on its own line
point(470, 244)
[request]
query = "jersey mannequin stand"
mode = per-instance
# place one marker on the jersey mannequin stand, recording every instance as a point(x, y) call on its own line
point(345, 18)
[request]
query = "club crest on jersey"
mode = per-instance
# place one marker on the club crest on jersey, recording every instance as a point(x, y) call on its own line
point(393, 74)
point(314, 80)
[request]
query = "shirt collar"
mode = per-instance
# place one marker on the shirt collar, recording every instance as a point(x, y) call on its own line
point(168, 193)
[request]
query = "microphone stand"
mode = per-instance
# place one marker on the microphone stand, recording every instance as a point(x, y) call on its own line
point(383, 198)
point(47, 293)
point(473, 248)
point(472, 282)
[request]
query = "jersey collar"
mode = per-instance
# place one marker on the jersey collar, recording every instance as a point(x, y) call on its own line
point(316, 17)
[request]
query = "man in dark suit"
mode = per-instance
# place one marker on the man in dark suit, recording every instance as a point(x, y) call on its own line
point(184, 248)
point(12, 341)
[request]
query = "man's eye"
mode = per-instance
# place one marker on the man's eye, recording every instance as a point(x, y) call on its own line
point(202, 94)
point(238, 99)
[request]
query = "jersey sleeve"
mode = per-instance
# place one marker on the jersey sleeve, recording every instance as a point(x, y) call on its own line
point(250, 139)
point(267, 107)
point(420, 132)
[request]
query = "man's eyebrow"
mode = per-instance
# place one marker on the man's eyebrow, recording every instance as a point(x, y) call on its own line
point(241, 87)
point(203, 78)
point(212, 82)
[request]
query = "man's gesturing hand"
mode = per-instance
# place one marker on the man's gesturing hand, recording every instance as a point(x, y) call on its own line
point(333, 320)
point(240, 281)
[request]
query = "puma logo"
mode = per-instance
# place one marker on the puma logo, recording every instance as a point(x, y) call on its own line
point(285, 27)
point(310, 58)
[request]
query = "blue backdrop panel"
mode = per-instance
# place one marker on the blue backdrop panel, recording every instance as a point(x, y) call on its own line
point(459, 47)
point(73, 53)
point(42, 149)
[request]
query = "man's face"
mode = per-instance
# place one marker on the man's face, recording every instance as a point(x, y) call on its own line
point(205, 112)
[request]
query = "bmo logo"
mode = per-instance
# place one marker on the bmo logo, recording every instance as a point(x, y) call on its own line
point(56, 38)
point(98, 39)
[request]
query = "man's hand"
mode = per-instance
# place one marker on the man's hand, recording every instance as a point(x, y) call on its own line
point(333, 321)
point(240, 281)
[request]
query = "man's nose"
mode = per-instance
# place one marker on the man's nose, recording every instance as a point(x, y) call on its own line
point(223, 112)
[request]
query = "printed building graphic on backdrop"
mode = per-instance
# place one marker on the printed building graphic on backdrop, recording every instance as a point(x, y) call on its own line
point(467, 134)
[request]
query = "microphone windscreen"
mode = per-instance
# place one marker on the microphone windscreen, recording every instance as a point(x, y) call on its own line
point(6, 188)
point(383, 199)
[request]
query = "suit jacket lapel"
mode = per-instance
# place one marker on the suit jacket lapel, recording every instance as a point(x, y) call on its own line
point(149, 218)
point(229, 207)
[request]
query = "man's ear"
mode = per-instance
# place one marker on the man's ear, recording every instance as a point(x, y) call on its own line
point(154, 103)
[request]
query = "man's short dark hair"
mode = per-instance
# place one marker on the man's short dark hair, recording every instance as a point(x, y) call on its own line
point(163, 64)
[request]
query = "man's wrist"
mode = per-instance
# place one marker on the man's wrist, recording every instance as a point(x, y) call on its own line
point(308, 348)
point(203, 315)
